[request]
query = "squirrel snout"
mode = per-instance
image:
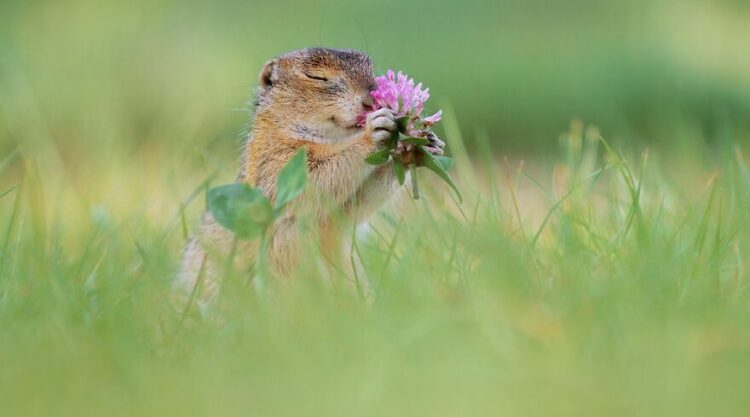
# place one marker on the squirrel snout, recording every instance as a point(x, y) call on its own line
point(367, 101)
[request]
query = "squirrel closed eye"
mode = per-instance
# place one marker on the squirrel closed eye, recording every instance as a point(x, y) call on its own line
point(316, 77)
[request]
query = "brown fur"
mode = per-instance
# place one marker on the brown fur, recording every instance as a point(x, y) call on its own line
point(295, 108)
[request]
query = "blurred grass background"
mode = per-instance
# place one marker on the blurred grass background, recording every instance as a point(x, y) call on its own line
point(518, 69)
point(156, 92)
point(586, 282)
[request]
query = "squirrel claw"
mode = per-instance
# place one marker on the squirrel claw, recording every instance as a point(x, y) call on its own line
point(381, 124)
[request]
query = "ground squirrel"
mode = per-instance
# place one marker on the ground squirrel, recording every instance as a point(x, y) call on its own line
point(310, 98)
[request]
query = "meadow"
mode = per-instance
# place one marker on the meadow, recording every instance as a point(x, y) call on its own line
point(598, 265)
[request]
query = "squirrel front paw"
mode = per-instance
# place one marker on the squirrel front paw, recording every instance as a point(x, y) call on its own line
point(381, 125)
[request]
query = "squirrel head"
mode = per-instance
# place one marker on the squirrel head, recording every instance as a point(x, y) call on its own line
point(318, 93)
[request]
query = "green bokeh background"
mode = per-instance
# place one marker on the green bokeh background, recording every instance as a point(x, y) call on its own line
point(96, 72)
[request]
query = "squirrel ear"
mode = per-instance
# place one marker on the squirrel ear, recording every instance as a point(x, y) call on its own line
point(268, 76)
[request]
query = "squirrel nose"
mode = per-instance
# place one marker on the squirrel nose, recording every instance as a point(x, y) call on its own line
point(367, 101)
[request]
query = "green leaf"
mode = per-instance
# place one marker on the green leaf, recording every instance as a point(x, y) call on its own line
point(393, 140)
point(240, 208)
point(292, 179)
point(258, 211)
point(433, 165)
point(378, 157)
point(252, 219)
point(413, 140)
point(402, 122)
point(400, 171)
point(445, 162)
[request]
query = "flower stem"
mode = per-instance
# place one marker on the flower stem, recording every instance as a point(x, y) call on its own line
point(414, 186)
point(261, 264)
point(229, 267)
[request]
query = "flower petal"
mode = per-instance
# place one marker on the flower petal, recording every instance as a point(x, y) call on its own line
point(431, 120)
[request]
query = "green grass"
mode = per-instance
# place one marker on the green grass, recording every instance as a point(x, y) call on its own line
point(595, 283)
